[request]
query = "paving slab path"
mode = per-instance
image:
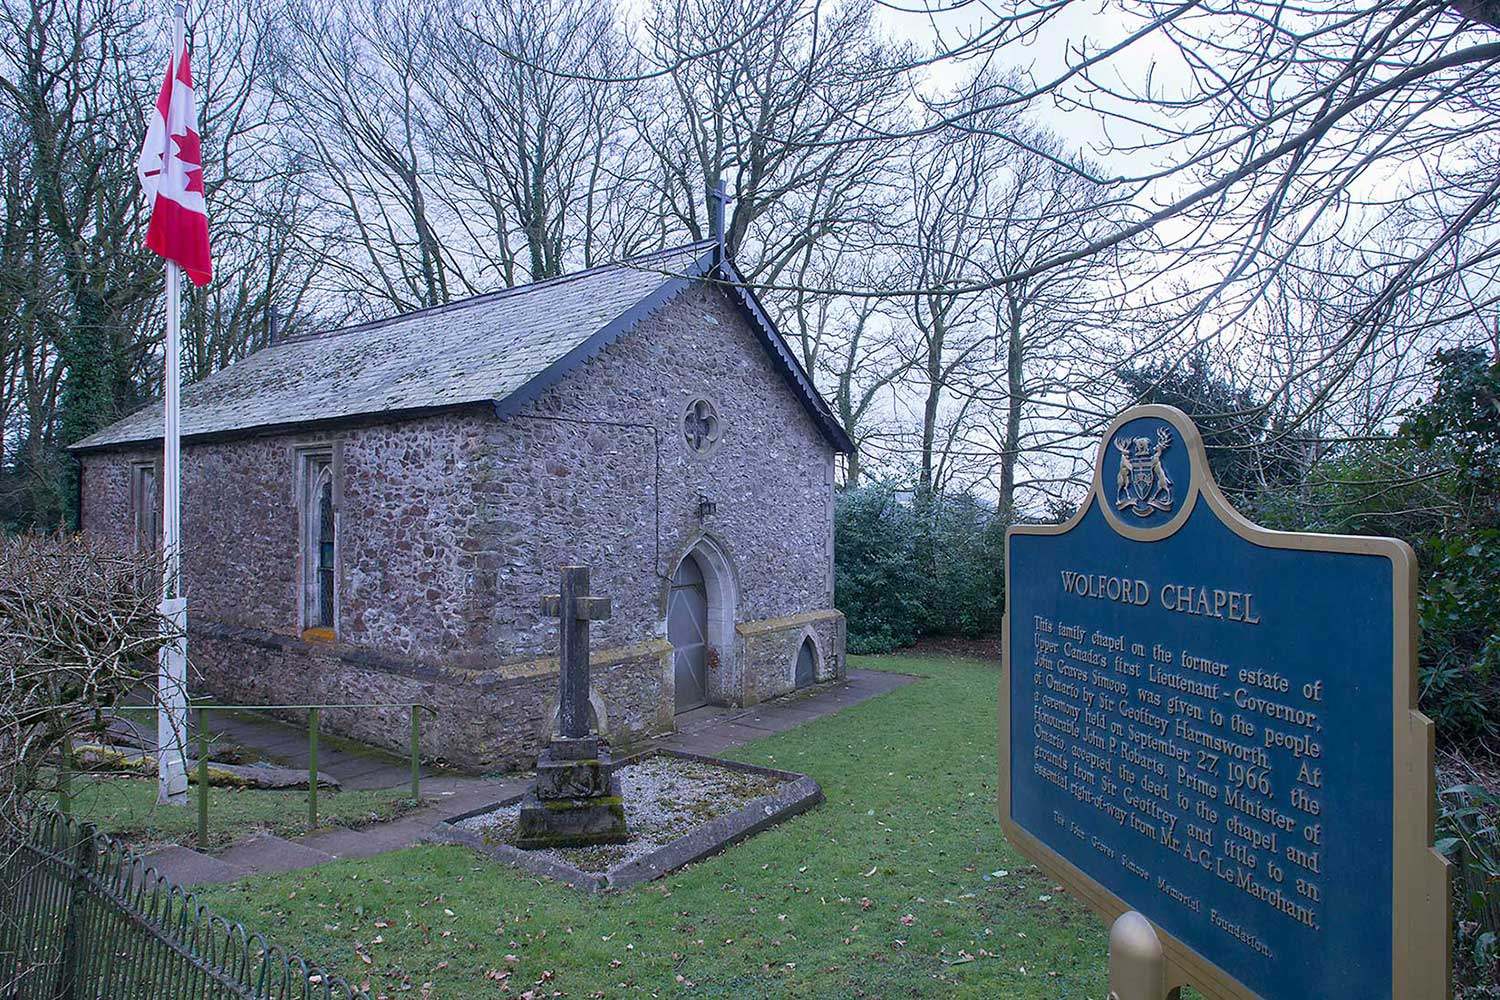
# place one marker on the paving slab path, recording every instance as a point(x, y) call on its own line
point(274, 741)
point(711, 730)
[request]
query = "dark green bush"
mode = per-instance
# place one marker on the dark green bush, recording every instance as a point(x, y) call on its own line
point(909, 565)
point(1435, 484)
point(876, 581)
point(1461, 423)
point(1244, 452)
point(1369, 488)
point(961, 557)
point(1460, 652)
point(1459, 673)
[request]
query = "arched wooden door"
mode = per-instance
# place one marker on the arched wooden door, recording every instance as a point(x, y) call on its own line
point(687, 631)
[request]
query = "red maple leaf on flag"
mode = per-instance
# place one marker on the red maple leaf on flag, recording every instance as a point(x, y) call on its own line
point(171, 172)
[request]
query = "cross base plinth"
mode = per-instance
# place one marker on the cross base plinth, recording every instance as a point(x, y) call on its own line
point(571, 748)
point(576, 801)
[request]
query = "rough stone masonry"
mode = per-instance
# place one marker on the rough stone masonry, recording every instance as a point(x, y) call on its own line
point(684, 436)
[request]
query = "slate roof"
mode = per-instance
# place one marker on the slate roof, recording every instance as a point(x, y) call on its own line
point(503, 347)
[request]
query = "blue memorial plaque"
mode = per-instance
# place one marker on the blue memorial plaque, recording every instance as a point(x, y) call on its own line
point(1213, 724)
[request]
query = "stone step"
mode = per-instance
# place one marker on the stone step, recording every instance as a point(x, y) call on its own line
point(186, 867)
point(269, 853)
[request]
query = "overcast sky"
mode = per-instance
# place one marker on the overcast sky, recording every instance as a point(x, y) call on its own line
point(1078, 26)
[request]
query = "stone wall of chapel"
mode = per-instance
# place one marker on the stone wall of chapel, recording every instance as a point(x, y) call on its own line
point(452, 527)
point(104, 495)
point(598, 471)
point(406, 516)
point(487, 720)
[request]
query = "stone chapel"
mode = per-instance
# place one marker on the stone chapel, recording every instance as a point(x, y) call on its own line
point(373, 514)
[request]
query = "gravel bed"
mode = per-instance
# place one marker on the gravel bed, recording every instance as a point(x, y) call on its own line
point(665, 798)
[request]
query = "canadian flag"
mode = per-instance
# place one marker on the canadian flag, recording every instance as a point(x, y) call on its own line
point(171, 170)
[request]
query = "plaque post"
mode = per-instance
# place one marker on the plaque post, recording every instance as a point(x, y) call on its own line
point(1137, 964)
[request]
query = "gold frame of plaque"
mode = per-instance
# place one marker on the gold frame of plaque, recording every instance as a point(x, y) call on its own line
point(1421, 925)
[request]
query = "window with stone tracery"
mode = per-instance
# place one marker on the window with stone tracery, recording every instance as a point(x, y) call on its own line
point(701, 427)
point(319, 554)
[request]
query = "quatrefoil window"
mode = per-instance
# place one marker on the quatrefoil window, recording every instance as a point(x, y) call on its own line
point(701, 426)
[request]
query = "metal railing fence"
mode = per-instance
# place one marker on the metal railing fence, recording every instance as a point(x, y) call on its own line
point(81, 916)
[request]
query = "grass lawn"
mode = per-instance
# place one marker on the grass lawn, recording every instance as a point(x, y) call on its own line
point(899, 885)
point(127, 808)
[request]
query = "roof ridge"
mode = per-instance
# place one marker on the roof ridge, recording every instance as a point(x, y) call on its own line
point(481, 297)
point(451, 360)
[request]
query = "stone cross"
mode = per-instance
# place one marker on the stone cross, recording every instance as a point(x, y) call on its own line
point(575, 608)
point(576, 799)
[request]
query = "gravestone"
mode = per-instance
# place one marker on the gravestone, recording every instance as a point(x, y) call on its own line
point(576, 799)
point(1208, 730)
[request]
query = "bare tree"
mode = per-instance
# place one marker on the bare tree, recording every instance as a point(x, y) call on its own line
point(31, 311)
point(848, 344)
point(268, 250)
point(769, 110)
point(537, 159)
point(1266, 127)
point(79, 628)
point(942, 256)
point(1051, 329)
point(69, 74)
point(354, 72)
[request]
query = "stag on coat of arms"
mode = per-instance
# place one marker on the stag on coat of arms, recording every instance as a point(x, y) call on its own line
point(1142, 485)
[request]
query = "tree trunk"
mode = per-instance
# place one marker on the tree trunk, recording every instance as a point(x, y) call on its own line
point(1014, 400)
point(934, 397)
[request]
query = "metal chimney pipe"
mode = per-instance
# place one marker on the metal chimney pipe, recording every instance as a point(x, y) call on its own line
point(716, 199)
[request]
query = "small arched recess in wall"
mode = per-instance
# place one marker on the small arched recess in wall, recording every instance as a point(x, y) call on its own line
point(807, 661)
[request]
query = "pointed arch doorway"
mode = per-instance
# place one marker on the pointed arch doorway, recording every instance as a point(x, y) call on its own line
point(700, 616)
point(687, 630)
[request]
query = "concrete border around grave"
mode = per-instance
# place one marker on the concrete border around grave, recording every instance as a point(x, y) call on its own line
point(797, 794)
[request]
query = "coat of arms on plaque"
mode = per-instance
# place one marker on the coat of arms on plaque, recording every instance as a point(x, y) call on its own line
point(1142, 485)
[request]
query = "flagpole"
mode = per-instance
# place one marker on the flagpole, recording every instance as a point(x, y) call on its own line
point(171, 670)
